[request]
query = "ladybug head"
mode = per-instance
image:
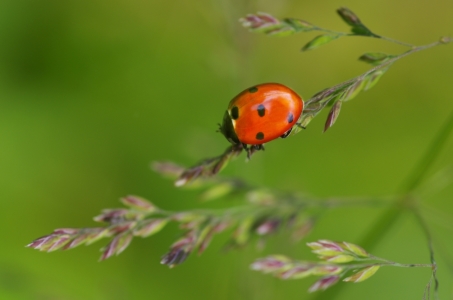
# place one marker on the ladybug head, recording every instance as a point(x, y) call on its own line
point(227, 129)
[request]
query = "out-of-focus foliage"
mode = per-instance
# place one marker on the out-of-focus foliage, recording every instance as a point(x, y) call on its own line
point(92, 91)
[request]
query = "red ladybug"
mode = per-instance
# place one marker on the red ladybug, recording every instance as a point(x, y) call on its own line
point(261, 114)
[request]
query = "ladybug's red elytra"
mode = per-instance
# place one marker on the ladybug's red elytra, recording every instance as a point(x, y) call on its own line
point(261, 114)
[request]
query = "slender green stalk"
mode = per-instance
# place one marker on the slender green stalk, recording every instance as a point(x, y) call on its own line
point(365, 265)
point(352, 34)
point(427, 160)
point(396, 41)
point(291, 204)
point(429, 238)
point(379, 67)
point(395, 264)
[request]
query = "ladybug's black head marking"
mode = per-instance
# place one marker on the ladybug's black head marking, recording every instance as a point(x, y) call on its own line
point(227, 129)
point(235, 113)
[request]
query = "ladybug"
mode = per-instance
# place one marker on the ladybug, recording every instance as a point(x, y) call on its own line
point(261, 114)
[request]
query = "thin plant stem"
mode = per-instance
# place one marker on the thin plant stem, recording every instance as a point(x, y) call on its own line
point(378, 36)
point(443, 252)
point(396, 41)
point(282, 204)
point(438, 217)
point(428, 236)
point(428, 289)
point(365, 265)
point(389, 262)
point(381, 66)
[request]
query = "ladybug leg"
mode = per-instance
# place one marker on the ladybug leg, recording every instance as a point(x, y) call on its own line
point(248, 150)
point(259, 147)
point(255, 148)
point(249, 153)
point(252, 149)
point(286, 133)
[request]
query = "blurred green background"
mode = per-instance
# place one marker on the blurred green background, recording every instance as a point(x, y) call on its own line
point(92, 91)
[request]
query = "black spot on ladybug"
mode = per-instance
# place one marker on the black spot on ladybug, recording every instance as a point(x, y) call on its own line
point(261, 110)
point(253, 89)
point(235, 112)
point(260, 136)
point(290, 118)
point(286, 133)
